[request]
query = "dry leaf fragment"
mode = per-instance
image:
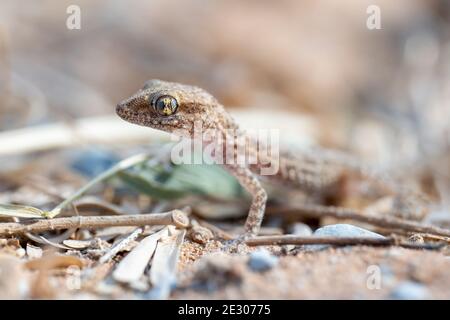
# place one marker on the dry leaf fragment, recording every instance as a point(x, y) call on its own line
point(54, 262)
point(20, 211)
point(78, 244)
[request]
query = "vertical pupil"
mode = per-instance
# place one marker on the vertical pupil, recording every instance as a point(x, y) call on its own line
point(166, 105)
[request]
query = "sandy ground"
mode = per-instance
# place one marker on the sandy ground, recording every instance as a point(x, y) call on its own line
point(334, 273)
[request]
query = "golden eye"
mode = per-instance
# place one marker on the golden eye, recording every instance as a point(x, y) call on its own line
point(166, 105)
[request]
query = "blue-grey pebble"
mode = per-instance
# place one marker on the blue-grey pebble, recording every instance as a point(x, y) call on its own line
point(341, 230)
point(262, 260)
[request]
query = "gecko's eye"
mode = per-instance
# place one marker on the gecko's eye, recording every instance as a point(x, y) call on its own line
point(166, 105)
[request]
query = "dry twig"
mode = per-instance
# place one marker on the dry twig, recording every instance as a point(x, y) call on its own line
point(300, 240)
point(174, 217)
point(318, 211)
point(338, 241)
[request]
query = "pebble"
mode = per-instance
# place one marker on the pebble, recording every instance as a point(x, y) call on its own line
point(340, 230)
point(298, 229)
point(301, 229)
point(21, 252)
point(345, 230)
point(410, 290)
point(262, 260)
point(416, 238)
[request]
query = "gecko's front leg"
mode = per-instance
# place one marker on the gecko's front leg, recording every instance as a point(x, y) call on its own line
point(251, 183)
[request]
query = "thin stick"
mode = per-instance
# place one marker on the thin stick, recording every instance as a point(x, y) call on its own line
point(338, 241)
point(122, 165)
point(174, 217)
point(298, 240)
point(318, 211)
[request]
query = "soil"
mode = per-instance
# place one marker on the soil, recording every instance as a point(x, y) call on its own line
point(333, 273)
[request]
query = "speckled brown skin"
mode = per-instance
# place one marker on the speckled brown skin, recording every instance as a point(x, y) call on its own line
point(316, 171)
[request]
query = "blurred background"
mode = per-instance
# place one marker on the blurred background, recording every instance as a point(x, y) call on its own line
point(382, 94)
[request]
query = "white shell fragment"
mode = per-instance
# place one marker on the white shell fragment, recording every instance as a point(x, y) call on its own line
point(77, 244)
point(132, 267)
point(164, 264)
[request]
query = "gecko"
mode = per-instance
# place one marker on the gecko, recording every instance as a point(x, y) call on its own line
point(178, 109)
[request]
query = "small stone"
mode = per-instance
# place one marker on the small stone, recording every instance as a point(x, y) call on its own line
point(341, 230)
point(20, 252)
point(346, 230)
point(33, 252)
point(409, 290)
point(298, 229)
point(416, 238)
point(301, 229)
point(262, 260)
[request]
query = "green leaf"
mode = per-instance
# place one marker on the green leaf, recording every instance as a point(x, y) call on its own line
point(147, 185)
point(209, 180)
point(180, 180)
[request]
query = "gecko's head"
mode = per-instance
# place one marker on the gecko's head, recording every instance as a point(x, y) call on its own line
point(170, 107)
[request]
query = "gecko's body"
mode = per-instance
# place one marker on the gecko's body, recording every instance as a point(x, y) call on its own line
point(179, 109)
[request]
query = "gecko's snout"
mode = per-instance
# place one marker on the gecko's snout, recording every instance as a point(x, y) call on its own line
point(121, 109)
point(128, 106)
